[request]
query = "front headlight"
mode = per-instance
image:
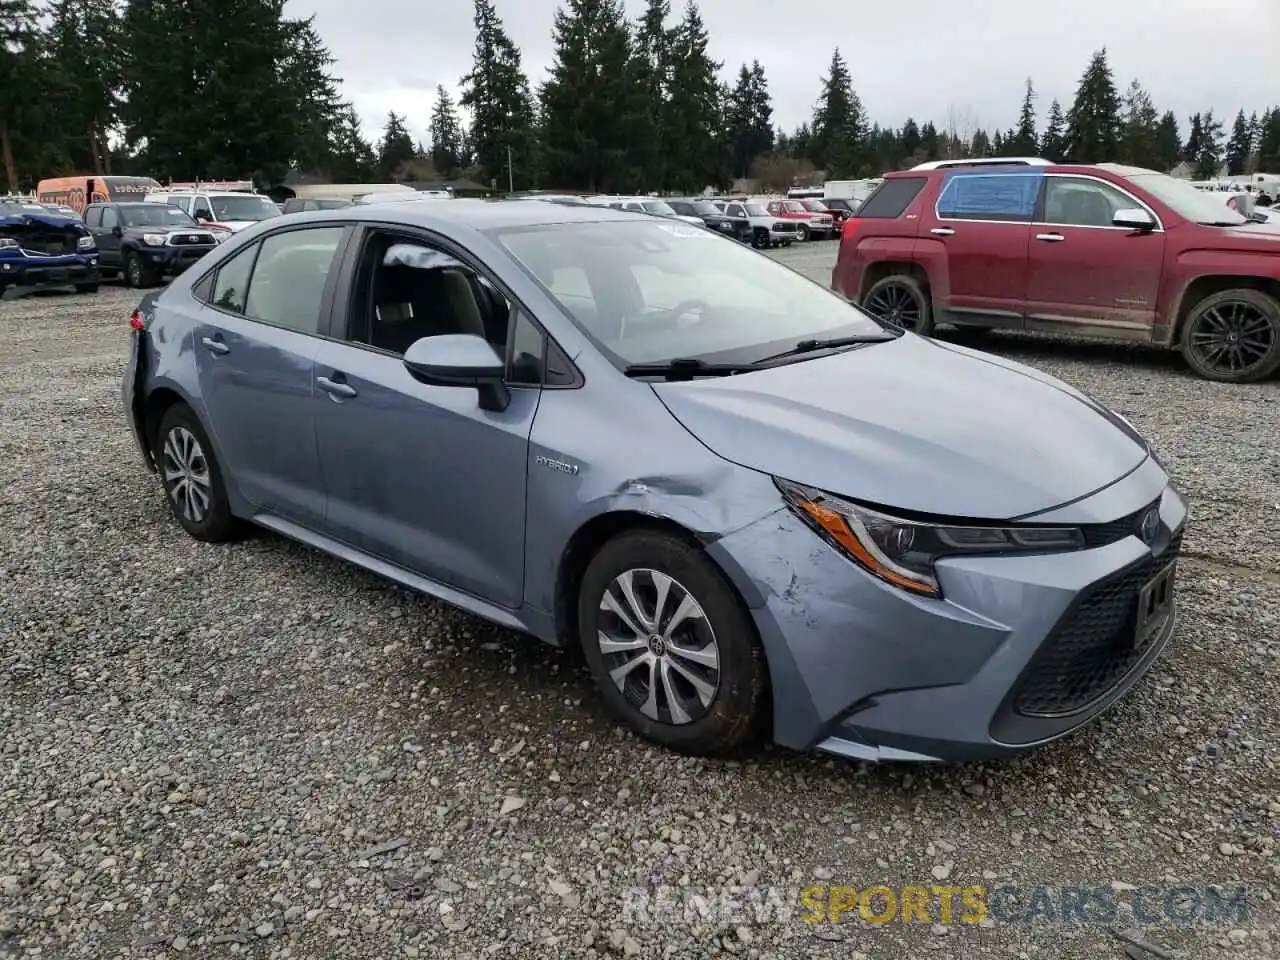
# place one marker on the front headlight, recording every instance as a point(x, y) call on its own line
point(154, 239)
point(85, 243)
point(903, 552)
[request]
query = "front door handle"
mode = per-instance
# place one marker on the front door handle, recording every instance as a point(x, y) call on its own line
point(1050, 237)
point(216, 347)
point(335, 388)
point(942, 231)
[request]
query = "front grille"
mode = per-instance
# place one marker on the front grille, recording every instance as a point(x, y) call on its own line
point(1091, 650)
point(49, 246)
point(192, 240)
point(1102, 534)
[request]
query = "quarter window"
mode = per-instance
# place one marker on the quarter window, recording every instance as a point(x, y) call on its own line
point(990, 196)
point(528, 349)
point(1082, 203)
point(233, 281)
point(288, 281)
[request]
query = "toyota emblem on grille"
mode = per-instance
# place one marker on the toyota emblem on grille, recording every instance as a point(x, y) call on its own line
point(1150, 525)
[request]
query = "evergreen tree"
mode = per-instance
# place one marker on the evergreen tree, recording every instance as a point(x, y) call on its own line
point(1240, 146)
point(648, 122)
point(1191, 149)
point(1168, 147)
point(305, 71)
point(351, 158)
point(1025, 142)
point(396, 148)
point(588, 101)
point(83, 40)
point(1269, 140)
point(838, 123)
point(446, 135)
point(20, 73)
point(694, 109)
point(750, 118)
point(1208, 159)
point(1053, 145)
point(496, 92)
point(1093, 122)
point(912, 142)
point(1140, 128)
point(929, 142)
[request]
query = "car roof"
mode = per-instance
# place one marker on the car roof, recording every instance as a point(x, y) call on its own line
point(477, 215)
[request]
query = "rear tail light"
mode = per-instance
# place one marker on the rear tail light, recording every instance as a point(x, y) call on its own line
point(136, 321)
point(848, 227)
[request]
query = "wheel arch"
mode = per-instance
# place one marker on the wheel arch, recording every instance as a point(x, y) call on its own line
point(881, 269)
point(1206, 285)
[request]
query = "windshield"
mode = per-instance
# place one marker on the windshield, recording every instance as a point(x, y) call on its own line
point(1186, 201)
point(658, 207)
point(651, 292)
point(154, 215)
point(815, 206)
point(794, 206)
point(757, 210)
point(704, 208)
point(243, 207)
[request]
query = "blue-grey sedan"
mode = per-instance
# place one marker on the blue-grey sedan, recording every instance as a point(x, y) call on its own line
point(755, 509)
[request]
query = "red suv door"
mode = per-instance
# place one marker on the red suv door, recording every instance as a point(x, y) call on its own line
point(1084, 269)
point(975, 243)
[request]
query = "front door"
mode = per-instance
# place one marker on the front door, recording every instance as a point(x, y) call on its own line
point(254, 346)
point(103, 223)
point(1083, 269)
point(420, 475)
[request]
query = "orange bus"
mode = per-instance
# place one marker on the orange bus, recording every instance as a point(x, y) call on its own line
point(78, 191)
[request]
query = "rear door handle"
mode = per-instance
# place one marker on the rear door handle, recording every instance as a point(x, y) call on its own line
point(215, 346)
point(942, 231)
point(1050, 237)
point(335, 388)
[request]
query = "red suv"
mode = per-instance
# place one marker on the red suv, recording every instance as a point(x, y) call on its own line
point(1102, 251)
point(809, 224)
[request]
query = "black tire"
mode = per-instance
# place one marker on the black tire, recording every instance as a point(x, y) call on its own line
point(138, 274)
point(736, 713)
point(760, 239)
point(86, 288)
point(1233, 336)
point(802, 232)
point(216, 524)
point(900, 301)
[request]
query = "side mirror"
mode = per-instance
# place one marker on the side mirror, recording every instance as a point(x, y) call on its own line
point(117, 231)
point(460, 360)
point(1135, 219)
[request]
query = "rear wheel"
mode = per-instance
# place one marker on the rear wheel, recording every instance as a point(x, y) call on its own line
point(1233, 336)
point(672, 648)
point(192, 478)
point(900, 301)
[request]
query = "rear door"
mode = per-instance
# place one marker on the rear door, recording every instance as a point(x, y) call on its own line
point(981, 224)
point(1085, 270)
point(254, 343)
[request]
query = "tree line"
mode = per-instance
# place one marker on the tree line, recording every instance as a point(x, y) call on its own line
point(184, 88)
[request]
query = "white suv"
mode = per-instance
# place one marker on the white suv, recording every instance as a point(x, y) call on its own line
point(231, 209)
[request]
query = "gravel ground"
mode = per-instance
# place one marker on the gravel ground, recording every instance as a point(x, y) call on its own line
point(259, 751)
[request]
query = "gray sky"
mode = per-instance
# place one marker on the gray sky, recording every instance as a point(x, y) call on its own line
point(921, 58)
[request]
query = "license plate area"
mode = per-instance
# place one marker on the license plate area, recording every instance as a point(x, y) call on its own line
point(1155, 604)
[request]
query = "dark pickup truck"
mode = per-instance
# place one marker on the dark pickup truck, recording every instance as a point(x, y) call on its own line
point(41, 248)
point(146, 241)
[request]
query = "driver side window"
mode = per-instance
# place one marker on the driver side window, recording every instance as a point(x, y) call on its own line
point(202, 210)
point(110, 219)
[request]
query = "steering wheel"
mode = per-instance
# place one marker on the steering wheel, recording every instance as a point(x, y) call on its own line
point(687, 307)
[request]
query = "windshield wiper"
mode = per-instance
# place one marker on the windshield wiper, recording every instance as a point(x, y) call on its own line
point(685, 368)
point(831, 343)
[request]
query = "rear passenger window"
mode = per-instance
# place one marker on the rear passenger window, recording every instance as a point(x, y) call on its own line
point(232, 284)
point(891, 198)
point(288, 281)
point(990, 196)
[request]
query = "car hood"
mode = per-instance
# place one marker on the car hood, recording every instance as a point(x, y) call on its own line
point(916, 425)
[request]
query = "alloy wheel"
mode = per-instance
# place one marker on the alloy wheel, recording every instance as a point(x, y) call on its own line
point(658, 646)
point(896, 305)
point(186, 474)
point(1233, 337)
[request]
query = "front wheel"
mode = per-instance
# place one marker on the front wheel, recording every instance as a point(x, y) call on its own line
point(760, 239)
point(802, 233)
point(900, 301)
point(1233, 336)
point(191, 477)
point(672, 648)
point(138, 274)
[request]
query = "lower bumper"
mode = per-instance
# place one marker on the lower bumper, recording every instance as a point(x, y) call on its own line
point(172, 261)
point(1020, 652)
point(50, 276)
